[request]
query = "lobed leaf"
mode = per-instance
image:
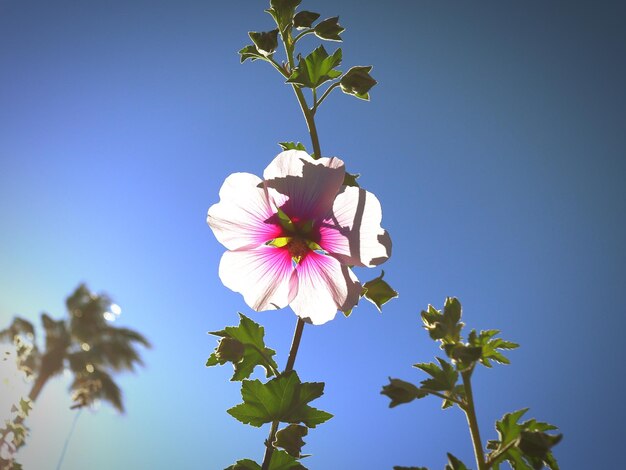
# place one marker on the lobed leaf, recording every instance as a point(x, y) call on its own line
point(378, 291)
point(250, 52)
point(284, 398)
point(358, 82)
point(401, 392)
point(526, 445)
point(290, 439)
point(265, 42)
point(444, 379)
point(316, 68)
point(329, 29)
point(244, 346)
point(280, 461)
point(304, 19)
point(490, 346)
point(445, 327)
point(283, 13)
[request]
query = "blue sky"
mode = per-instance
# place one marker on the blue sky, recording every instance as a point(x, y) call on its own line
point(495, 142)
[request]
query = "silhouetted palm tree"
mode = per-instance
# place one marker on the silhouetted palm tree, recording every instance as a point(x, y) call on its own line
point(85, 343)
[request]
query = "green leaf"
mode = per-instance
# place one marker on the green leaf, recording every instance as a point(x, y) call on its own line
point(444, 379)
point(280, 461)
point(329, 29)
point(250, 52)
point(283, 398)
point(266, 42)
point(304, 19)
point(245, 464)
point(401, 392)
point(350, 179)
point(283, 12)
point(283, 461)
point(444, 327)
point(490, 346)
point(292, 146)
point(378, 291)
point(462, 355)
point(358, 82)
point(290, 439)
point(454, 463)
point(248, 335)
point(527, 444)
point(25, 406)
point(316, 68)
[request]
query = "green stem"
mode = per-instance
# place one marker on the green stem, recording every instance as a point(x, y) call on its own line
point(289, 43)
point(441, 395)
point(324, 95)
point(291, 360)
point(493, 457)
point(470, 413)
point(302, 34)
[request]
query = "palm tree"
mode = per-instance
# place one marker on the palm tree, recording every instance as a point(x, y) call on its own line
point(85, 343)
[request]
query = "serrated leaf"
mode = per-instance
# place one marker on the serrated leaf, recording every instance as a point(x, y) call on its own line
point(490, 346)
point(283, 398)
point(292, 146)
point(283, 12)
point(358, 82)
point(378, 291)
point(444, 327)
point(250, 335)
point(527, 444)
point(444, 379)
point(265, 42)
point(250, 52)
point(304, 19)
point(280, 461)
point(455, 464)
point(290, 439)
point(283, 461)
point(401, 392)
point(245, 464)
point(329, 29)
point(316, 68)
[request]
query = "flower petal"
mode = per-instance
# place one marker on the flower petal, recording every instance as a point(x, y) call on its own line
point(353, 234)
point(264, 276)
point(239, 220)
point(303, 187)
point(324, 286)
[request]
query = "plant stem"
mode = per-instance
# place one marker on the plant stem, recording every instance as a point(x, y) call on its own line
point(470, 413)
point(293, 351)
point(289, 43)
point(324, 95)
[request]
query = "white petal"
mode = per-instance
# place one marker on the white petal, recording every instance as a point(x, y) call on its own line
point(303, 187)
point(264, 276)
point(324, 286)
point(353, 233)
point(239, 220)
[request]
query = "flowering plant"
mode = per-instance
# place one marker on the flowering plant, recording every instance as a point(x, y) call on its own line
point(293, 237)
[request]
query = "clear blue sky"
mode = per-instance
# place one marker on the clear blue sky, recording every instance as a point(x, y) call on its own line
point(495, 141)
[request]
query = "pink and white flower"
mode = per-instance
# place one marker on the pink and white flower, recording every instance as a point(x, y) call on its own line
point(293, 236)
